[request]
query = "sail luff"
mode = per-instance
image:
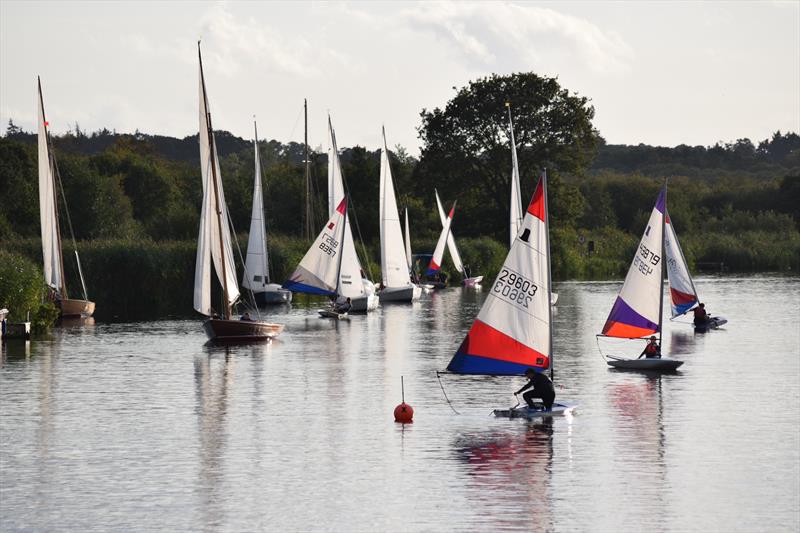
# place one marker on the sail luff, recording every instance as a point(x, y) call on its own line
point(256, 271)
point(515, 204)
point(53, 264)
point(394, 265)
point(683, 293)
point(661, 271)
point(549, 272)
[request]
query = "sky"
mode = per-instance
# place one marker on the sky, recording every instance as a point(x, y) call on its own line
point(658, 73)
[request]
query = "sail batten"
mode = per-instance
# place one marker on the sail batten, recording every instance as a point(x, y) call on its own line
point(512, 332)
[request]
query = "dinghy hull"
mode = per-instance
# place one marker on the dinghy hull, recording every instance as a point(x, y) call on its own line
point(333, 314)
point(220, 330)
point(713, 322)
point(559, 409)
point(651, 365)
point(400, 294)
point(472, 282)
point(364, 303)
point(273, 295)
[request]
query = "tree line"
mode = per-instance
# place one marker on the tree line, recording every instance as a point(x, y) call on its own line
point(732, 203)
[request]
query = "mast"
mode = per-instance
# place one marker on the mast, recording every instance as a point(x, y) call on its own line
point(307, 228)
point(212, 151)
point(341, 252)
point(661, 275)
point(549, 276)
point(51, 162)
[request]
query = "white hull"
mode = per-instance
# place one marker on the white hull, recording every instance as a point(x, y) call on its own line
point(652, 365)
point(472, 282)
point(273, 294)
point(559, 409)
point(364, 303)
point(400, 294)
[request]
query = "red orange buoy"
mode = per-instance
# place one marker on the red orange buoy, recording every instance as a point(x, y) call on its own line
point(403, 413)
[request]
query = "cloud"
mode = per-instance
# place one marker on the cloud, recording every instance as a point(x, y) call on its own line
point(486, 33)
point(239, 44)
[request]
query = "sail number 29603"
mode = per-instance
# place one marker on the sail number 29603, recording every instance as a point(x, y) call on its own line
point(514, 287)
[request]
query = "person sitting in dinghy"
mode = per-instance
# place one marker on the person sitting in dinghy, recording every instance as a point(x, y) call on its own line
point(700, 315)
point(343, 307)
point(652, 350)
point(542, 388)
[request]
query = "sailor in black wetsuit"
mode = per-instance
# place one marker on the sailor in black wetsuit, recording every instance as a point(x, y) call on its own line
point(542, 388)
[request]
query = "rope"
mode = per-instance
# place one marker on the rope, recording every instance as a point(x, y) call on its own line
point(445, 394)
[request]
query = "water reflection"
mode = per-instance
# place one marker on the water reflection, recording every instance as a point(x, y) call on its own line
point(511, 472)
point(213, 378)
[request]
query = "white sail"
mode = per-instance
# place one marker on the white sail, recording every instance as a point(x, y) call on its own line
point(51, 252)
point(637, 309)
point(318, 271)
point(350, 284)
point(214, 236)
point(408, 244)
point(451, 240)
point(438, 253)
point(515, 205)
point(513, 329)
point(256, 269)
point(683, 295)
point(394, 264)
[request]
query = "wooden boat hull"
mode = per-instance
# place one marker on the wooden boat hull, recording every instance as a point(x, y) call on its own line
point(220, 330)
point(76, 308)
point(650, 365)
point(400, 294)
point(472, 282)
point(559, 409)
point(273, 295)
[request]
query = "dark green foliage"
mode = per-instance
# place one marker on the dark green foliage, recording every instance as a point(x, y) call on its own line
point(22, 292)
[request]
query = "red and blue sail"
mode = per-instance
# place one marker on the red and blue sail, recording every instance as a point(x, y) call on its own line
point(512, 331)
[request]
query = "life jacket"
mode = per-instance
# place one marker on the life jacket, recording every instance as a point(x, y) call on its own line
point(651, 349)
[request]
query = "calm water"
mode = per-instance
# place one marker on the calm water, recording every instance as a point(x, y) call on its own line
point(141, 427)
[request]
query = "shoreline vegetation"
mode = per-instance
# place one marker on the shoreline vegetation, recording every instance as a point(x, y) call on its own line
point(134, 198)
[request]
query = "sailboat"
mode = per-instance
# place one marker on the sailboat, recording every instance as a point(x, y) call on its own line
point(682, 292)
point(353, 285)
point(433, 273)
point(319, 272)
point(214, 245)
point(638, 309)
point(396, 285)
point(54, 274)
point(513, 331)
point(256, 266)
point(515, 203)
point(466, 280)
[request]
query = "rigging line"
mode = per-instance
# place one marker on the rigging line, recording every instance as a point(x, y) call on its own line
point(445, 394)
point(69, 220)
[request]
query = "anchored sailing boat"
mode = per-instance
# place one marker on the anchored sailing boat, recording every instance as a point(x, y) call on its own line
point(638, 309)
point(515, 204)
point(256, 266)
point(682, 292)
point(54, 275)
point(352, 285)
point(319, 272)
point(466, 280)
point(396, 285)
point(513, 331)
point(214, 244)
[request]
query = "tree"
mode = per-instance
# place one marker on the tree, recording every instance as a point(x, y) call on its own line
point(466, 152)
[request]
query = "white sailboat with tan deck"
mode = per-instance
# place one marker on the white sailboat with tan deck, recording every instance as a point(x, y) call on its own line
point(214, 250)
point(52, 255)
point(396, 284)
